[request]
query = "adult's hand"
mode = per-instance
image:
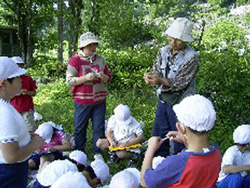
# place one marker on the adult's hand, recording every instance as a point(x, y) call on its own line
point(174, 136)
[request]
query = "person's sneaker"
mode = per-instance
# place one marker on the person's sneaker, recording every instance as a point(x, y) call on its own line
point(98, 156)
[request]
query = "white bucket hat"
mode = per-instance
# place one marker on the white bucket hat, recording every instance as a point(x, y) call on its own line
point(9, 69)
point(181, 29)
point(196, 112)
point(71, 179)
point(241, 134)
point(45, 130)
point(135, 172)
point(87, 38)
point(101, 169)
point(124, 179)
point(17, 60)
point(79, 156)
point(122, 114)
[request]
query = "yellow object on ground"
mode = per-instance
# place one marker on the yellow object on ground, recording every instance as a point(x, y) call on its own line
point(123, 148)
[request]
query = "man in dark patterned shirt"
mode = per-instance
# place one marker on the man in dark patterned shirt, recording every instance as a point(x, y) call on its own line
point(174, 73)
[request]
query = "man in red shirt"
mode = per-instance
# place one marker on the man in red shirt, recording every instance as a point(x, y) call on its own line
point(23, 103)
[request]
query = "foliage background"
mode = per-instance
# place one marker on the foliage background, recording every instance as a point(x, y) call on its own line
point(131, 33)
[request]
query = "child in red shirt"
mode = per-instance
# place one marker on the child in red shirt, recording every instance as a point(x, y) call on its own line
point(23, 103)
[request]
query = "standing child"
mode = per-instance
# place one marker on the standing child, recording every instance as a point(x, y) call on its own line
point(88, 74)
point(122, 131)
point(236, 161)
point(199, 164)
point(23, 103)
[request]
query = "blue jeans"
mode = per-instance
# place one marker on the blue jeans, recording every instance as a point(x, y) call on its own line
point(82, 115)
point(234, 180)
point(165, 121)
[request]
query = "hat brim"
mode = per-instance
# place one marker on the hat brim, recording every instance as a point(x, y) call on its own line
point(20, 72)
point(87, 42)
point(126, 122)
point(182, 37)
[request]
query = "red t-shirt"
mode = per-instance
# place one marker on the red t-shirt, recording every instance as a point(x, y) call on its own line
point(24, 103)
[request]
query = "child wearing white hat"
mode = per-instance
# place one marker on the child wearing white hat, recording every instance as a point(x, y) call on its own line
point(199, 164)
point(16, 144)
point(23, 102)
point(71, 180)
point(236, 161)
point(122, 130)
point(128, 178)
point(53, 171)
point(56, 143)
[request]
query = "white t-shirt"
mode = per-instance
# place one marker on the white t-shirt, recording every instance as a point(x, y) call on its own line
point(54, 171)
point(233, 156)
point(122, 132)
point(12, 128)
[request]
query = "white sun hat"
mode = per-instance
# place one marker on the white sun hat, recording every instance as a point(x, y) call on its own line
point(122, 114)
point(124, 179)
point(135, 172)
point(196, 112)
point(17, 60)
point(87, 38)
point(156, 161)
point(71, 179)
point(79, 156)
point(101, 169)
point(9, 69)
point(45, 130)
point(241, 134)
point(181, 29)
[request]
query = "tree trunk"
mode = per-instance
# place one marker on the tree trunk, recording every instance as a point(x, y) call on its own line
point(60, 30)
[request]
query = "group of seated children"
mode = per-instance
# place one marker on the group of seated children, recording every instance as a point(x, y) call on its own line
point(199, 165)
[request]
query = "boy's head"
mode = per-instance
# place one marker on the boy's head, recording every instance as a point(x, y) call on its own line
point(128, 178)
point(122, 114)
point(79, 158)
point(101, 169)
point(71, 179)
point(241, 135)
point(196, 113)
point(18, 60)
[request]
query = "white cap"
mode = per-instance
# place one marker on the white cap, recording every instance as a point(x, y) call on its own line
point(122, 114)
point(135, 172)
point(101, 169)
point(79, 156)
point(71, 180)
point(196, 112)
point(87, 38)
point(156, 161)
point(124, 179)
point(9, 69)
point(45, 130)
point(181, 29)
point(241, 134)
point(17, 60)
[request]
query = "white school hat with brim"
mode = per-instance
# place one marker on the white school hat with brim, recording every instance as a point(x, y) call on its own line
point(9, 69)
point(122, 114)
point(71, 180)
point(45, 130)
point(87, 38)
point(181, 29)
point(79, 157)
point(135, 172)
point(241, 134)
point(196, 112)
point(101, 169)
point(124, 179)
point(17, 60)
